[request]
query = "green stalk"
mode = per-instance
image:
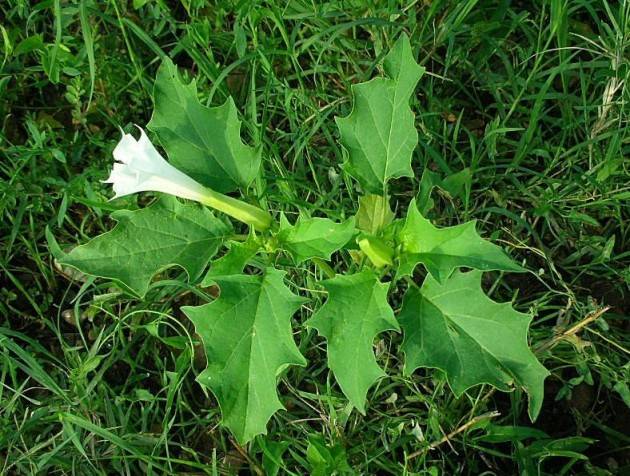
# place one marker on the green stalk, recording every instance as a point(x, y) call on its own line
point(250, 214)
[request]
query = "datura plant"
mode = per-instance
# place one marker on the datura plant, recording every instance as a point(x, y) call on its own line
point(447, 321)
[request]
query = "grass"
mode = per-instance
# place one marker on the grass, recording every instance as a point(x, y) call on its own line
point(523, 112)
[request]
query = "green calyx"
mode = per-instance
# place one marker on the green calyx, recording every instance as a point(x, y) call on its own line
point(377, 251)
point(241, 211)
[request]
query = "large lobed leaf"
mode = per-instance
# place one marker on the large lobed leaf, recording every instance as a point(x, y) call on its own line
point(455, 327)
point(355, 312)
point(203, 142)
point(314, 237)
point(246, 334)
point(379, 134)
point(443, 250)
point(146, 241)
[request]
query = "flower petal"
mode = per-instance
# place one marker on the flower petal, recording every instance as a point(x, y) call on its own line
point(141, 168)
point(126, 149)
point(124, 180)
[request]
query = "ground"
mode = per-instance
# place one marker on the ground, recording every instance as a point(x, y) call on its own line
point(523, 119)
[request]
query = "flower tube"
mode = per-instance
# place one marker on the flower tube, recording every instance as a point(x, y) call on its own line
point(139, 167)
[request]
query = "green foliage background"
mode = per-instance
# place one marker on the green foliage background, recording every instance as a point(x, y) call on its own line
point(523, 122)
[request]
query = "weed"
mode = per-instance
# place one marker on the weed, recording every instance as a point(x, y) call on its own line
point(523, 123)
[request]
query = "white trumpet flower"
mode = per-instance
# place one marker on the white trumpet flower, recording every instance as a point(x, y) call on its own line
point(139, 167)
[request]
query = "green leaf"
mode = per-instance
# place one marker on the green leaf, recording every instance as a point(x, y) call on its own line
point(455, 185)
point(314, 237)
point(374, 213)
point(428, 182)
point(272, 460)
point(442, 250)
point(232, 262)
point(377, 251)
point(146, 241)
point(379, 133)
point(326, 460)
point(509, 433)
point(623, 390)
point(455, 327)
point(203, 142)
point(355, 312)
point(246, 334)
